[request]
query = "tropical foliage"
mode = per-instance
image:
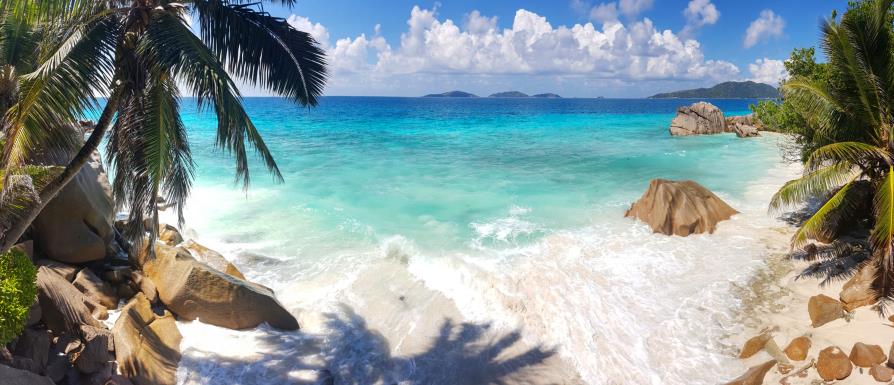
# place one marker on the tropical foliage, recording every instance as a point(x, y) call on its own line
point(846, 121)
point(17, 292)
point(139, 55)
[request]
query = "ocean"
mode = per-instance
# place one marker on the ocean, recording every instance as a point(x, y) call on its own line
point(473, 241)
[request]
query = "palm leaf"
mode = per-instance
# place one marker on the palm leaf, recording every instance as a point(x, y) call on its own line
point(818, 224)
point(811, 185)
point(854, 153)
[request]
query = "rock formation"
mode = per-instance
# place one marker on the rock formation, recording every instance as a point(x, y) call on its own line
point(147, 346)
point(698, 119)
point(824, 309)
point(76, 225)
point(680, 208)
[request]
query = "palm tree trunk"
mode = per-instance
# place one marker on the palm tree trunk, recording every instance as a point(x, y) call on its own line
point(71, 170)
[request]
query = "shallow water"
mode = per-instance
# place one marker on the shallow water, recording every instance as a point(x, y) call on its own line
point(445, 241)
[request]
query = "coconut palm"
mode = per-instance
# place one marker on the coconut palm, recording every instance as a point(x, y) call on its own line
point(140, 54)
point(851, 120)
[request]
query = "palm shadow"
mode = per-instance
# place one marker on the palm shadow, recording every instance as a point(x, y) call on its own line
point(353, 354)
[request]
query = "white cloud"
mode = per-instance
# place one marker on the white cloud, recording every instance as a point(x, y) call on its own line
point(633, 8)
point(605, 12)
point(766, 26)
point(637, 51)
point(768, 71)
point(477, 24)
point(699, 13)
point(317, 30)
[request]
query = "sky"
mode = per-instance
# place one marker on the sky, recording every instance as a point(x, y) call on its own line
point(575, 48)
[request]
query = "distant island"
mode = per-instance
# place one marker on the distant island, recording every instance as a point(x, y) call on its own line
point(452, 94)
point(726, 90)
point(506, 94)
point(510, 94)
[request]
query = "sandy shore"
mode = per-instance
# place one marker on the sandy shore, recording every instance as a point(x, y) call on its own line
point(782, 305)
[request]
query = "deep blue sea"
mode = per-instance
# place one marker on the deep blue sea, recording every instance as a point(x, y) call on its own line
point(400, 219)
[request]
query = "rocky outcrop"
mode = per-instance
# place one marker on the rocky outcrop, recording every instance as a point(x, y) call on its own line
point(755, 375)
point(76, 225)
point(195, 290)
point(147, 346)
point(745, 131)
point(857, 291)
point(867, 356)
point(680, 208)
point(212, 258)
point(833, 364)
point(824, 309)
point(698, 119)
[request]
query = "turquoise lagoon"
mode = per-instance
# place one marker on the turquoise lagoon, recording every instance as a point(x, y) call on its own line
point(453, 241)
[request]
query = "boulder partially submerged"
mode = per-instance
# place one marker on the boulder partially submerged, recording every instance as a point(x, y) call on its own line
point(680, 208)
point(698, 119)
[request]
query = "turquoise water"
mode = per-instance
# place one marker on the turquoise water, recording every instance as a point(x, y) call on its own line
point(404, 212)
point(359, 170)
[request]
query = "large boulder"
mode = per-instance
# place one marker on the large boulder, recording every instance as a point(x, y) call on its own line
point(212, 258)
point(698, 119)
point(147, 345)
point(745, 131)
point(858, 291)
point(76, 225)
point(35, 346)
point(755, 344)
point(824, 309)
point(97, 289)
point(195, 290)
point(680, 208)
point(833, 364)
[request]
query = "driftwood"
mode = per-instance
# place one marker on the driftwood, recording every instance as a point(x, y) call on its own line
point(797, 373)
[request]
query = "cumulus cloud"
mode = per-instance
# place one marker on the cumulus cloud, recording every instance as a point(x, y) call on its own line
point(766, 26)
point(317, 30)
point(632, 8)
point(530, 46)
point(768, 71)
point(605, 12)
point(699, 13)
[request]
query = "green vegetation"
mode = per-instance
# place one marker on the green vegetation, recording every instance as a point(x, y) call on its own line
point(728, 90)
point(56, 56)
point(18, 292)
point(841, 115)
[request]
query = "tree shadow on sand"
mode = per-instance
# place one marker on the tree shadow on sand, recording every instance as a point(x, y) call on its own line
point(350, 353)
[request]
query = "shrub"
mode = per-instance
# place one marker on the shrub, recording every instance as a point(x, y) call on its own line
point(18, 291)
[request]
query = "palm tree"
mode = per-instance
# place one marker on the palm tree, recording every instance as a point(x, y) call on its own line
point(140, 54)
point(852, 134)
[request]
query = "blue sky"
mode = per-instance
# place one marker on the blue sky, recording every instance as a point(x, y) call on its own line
point(621, 48)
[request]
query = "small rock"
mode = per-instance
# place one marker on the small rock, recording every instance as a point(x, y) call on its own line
point(881, 373)
point(833, 364)
point(891, 356)
point(755, 375)
point(169, 235)
point(34, 345)
point(824, 309)
point(857, 291)
point(785, 368)
point(754, 345)
point(867, 356)
point(145, 285)
point(798, 348)
point(97, 289)
point(117, 274)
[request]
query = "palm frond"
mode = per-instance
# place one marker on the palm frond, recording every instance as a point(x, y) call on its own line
point(819, 223)
point(263, 50)
point(171, 44)
point(854, 153)
point(811, 185)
